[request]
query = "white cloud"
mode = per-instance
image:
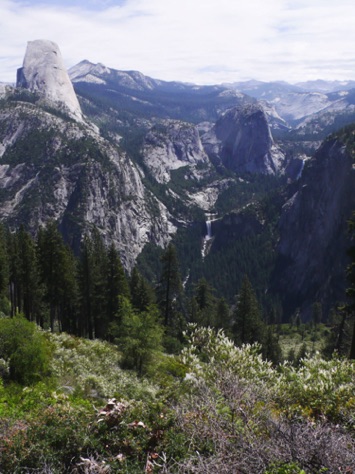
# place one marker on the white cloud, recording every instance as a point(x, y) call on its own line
point(203, 41)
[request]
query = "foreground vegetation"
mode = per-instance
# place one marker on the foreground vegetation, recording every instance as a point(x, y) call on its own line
point(212, 408)
point(101, 373)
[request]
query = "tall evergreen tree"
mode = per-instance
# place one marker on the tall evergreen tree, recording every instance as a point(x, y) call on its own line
point(338, 337)
point(86, 289)
point(316, 313)
point(4, 271)
point(101, 281)
point(203, 305)
point(116, 286)
point(28, 277)
point(14, 273)
point(57, 273)
point(139, 335)
point(92, 270)
point(248, 326)
point(351, 280)
point(142, 294)
point(100, 265)
point(222, 320)
point(271, 349)
point(69, 305)
point(170, 290)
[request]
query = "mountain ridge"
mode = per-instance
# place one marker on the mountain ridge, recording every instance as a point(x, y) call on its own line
point(150, 158)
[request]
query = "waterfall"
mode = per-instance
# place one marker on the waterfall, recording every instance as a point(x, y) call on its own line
point(300, 171)
point(206, 245)
point(208, 236)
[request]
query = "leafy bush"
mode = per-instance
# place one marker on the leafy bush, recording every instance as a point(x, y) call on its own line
point(242, 415)
point(91, 368)
point(54, 438)
point(219, 409)
point(317, 388)
point(26, 350)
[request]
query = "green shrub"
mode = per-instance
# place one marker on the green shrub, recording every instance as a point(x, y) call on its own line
point(54, 439)
point(92, 368)
point(242, 412)
point(26, 350)
point(317, 388)
point(289, 468)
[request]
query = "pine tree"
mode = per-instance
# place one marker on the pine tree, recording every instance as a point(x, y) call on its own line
point(193, 311)
point(351, 279)
point(203, 305)
point(28, 277)
point(69, 306)
point(169, 291)
point(142, 294)
point(271, 349)
point(86, 289)
point(138, 335)
point(13, 269)
point(204, 294)
point(222, 320)
point(316, 313)
point(99, 273)
point(58, 276)
point(248, 326)
point(338, 337)
point(92, 283)
point(116, 287)
point(4, 264)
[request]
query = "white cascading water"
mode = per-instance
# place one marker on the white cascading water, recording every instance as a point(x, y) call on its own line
point(301, 170)
point(208, 235)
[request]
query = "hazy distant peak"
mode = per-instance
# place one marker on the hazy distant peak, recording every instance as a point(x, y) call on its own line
point(321, 85)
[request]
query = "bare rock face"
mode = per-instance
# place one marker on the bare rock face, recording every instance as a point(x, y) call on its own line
point(3, 88)
point(53, 168)
point(43, 72)
point(173, 145)
point(312, 246)
point(242, 141)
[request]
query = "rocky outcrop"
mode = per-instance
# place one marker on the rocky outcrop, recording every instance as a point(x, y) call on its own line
point(312, 246)
point(4, 88)
point(43, 72)
point(52, 168)
point(241, 140)
point(172, 145)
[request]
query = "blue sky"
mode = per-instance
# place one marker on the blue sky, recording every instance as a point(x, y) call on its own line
point(200, 41)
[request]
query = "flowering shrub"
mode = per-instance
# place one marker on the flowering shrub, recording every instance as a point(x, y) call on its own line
point(243, 415)
point(92, 368)
point(318, 388)
point(208, 351)
point(220, 409)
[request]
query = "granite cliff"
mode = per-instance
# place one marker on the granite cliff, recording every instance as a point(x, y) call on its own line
point(241, 140)
point(313, 230)
point(43, 72)
point(172, 145)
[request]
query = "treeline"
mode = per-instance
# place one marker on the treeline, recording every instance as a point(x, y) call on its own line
point(44, 280)
point(91, 296)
